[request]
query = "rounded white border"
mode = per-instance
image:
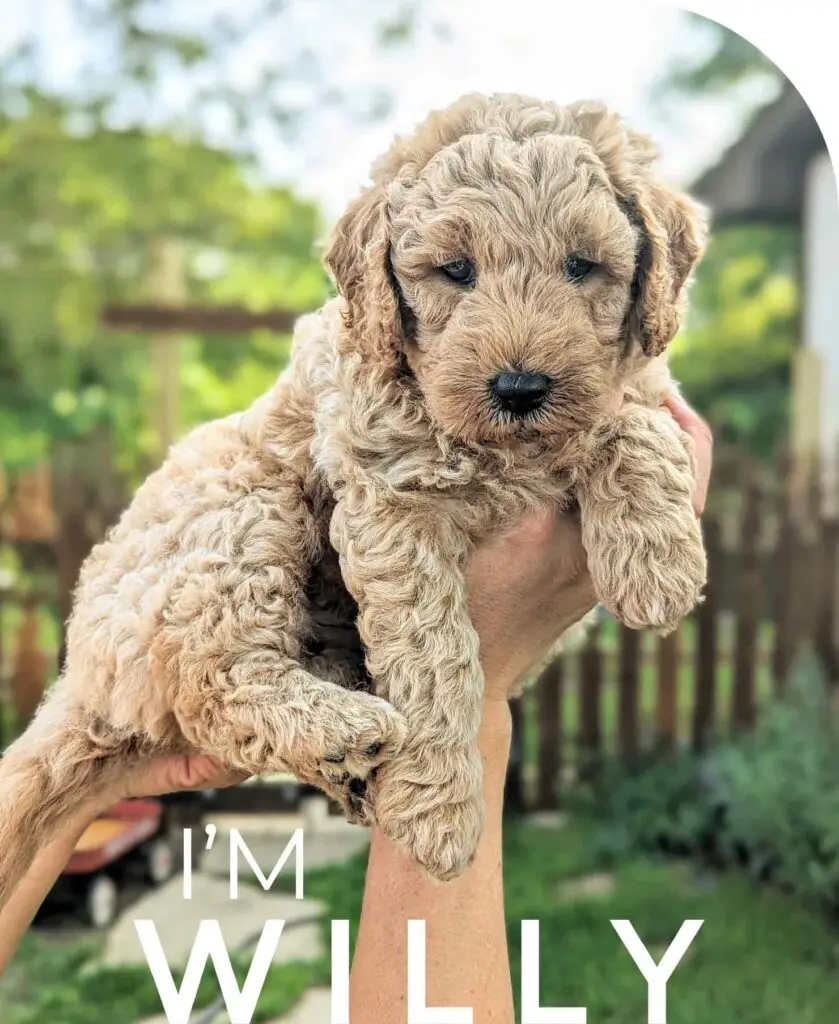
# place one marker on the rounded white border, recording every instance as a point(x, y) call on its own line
point(798, 36)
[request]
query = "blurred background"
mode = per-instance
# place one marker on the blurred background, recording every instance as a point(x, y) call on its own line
point(167, 172)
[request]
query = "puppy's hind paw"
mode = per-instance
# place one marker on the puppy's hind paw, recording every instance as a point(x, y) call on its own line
point(354, 796)
point(364, 732)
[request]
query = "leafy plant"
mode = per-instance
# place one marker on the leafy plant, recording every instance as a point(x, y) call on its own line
point(733, 358)
point(767, 800)
point(661, 805)
point(779, 789)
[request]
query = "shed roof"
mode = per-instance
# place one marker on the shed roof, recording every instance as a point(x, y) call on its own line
point(761, 176)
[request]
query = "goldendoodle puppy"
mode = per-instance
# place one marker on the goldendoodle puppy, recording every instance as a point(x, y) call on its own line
point(287, 591)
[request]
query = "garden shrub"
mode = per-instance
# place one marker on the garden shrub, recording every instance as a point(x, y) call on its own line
point(767, 800)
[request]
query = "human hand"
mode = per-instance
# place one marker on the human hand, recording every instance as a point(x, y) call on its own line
point(703, 445)
point(525, 588)
point(172, 773)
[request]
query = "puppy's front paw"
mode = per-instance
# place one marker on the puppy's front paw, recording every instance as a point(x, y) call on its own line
point(438, 823)
point(654, 583)
point(442, 841)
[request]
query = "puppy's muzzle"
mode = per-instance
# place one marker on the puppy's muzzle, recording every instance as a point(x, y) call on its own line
point(518, 393)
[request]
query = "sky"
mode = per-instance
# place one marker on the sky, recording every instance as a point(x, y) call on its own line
point(562, 50)
point(542, 49)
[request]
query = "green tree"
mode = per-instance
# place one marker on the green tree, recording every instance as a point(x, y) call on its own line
point(83, 213)
point(733, 357)
point(729, 60)
point(84, 202)
point(148, 61)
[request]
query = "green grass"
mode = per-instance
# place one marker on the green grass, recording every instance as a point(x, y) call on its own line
point(760, 958)
point(53, 982)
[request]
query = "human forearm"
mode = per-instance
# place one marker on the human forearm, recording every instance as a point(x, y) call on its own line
point(466, 946)
point(17, 915)
point(141, 779)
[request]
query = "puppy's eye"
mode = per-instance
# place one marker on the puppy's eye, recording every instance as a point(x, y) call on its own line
point(577, 268)
point(459, 271)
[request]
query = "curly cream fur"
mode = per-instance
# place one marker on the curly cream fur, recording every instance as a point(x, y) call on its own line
point(288, 589)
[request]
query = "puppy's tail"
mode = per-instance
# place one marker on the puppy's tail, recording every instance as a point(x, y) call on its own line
point(46, 776)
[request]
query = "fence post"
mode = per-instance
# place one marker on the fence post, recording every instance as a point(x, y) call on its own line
point(706, 651)
point(549, 690)
point(591, 687)
point(629, 670)
point(29, 675)
point(514, 797)
point(667, 671)
point(3, 737)
point(827, 633)
point(73, 540)
point(4, 498)
point(748, 607)
point(787, 558)
point(167, 286)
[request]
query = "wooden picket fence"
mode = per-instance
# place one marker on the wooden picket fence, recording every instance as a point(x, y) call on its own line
point(51, 514)
point(772, 537)
point(773, 545)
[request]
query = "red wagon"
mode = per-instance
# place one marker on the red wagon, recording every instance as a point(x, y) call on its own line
point(139, 840)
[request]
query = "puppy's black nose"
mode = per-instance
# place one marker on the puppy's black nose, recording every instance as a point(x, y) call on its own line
point(520, 393)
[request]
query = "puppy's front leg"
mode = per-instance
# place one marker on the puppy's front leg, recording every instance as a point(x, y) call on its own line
point(640, 531)
point(404, 568)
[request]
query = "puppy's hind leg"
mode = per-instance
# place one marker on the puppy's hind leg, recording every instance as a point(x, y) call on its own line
point(230, 649)
point(47, 777)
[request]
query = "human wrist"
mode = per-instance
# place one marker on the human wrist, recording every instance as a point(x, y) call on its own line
point(495, 737)
point(496, 721)
point(65, 841)
point(88, 812)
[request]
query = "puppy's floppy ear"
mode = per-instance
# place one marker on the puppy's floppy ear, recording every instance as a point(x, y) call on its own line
point(672, 229)
point(358, 257)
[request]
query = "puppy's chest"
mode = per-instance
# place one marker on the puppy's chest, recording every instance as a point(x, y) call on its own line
point(490, 484)
point(393, 449)
point(332, 609)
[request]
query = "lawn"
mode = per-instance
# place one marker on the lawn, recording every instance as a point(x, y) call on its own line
point(760, 957)
point(53, 982)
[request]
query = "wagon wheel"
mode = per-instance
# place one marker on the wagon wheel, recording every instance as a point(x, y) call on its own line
point(101, 903)
point(179, 817)
point(160, 859)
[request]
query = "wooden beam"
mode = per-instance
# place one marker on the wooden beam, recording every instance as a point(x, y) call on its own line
point(174, 319)
point(807, 373)
point(167, 285)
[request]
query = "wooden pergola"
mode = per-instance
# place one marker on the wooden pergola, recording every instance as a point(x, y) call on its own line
point(166, 319)
point(167, 315)
point(166, 323)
